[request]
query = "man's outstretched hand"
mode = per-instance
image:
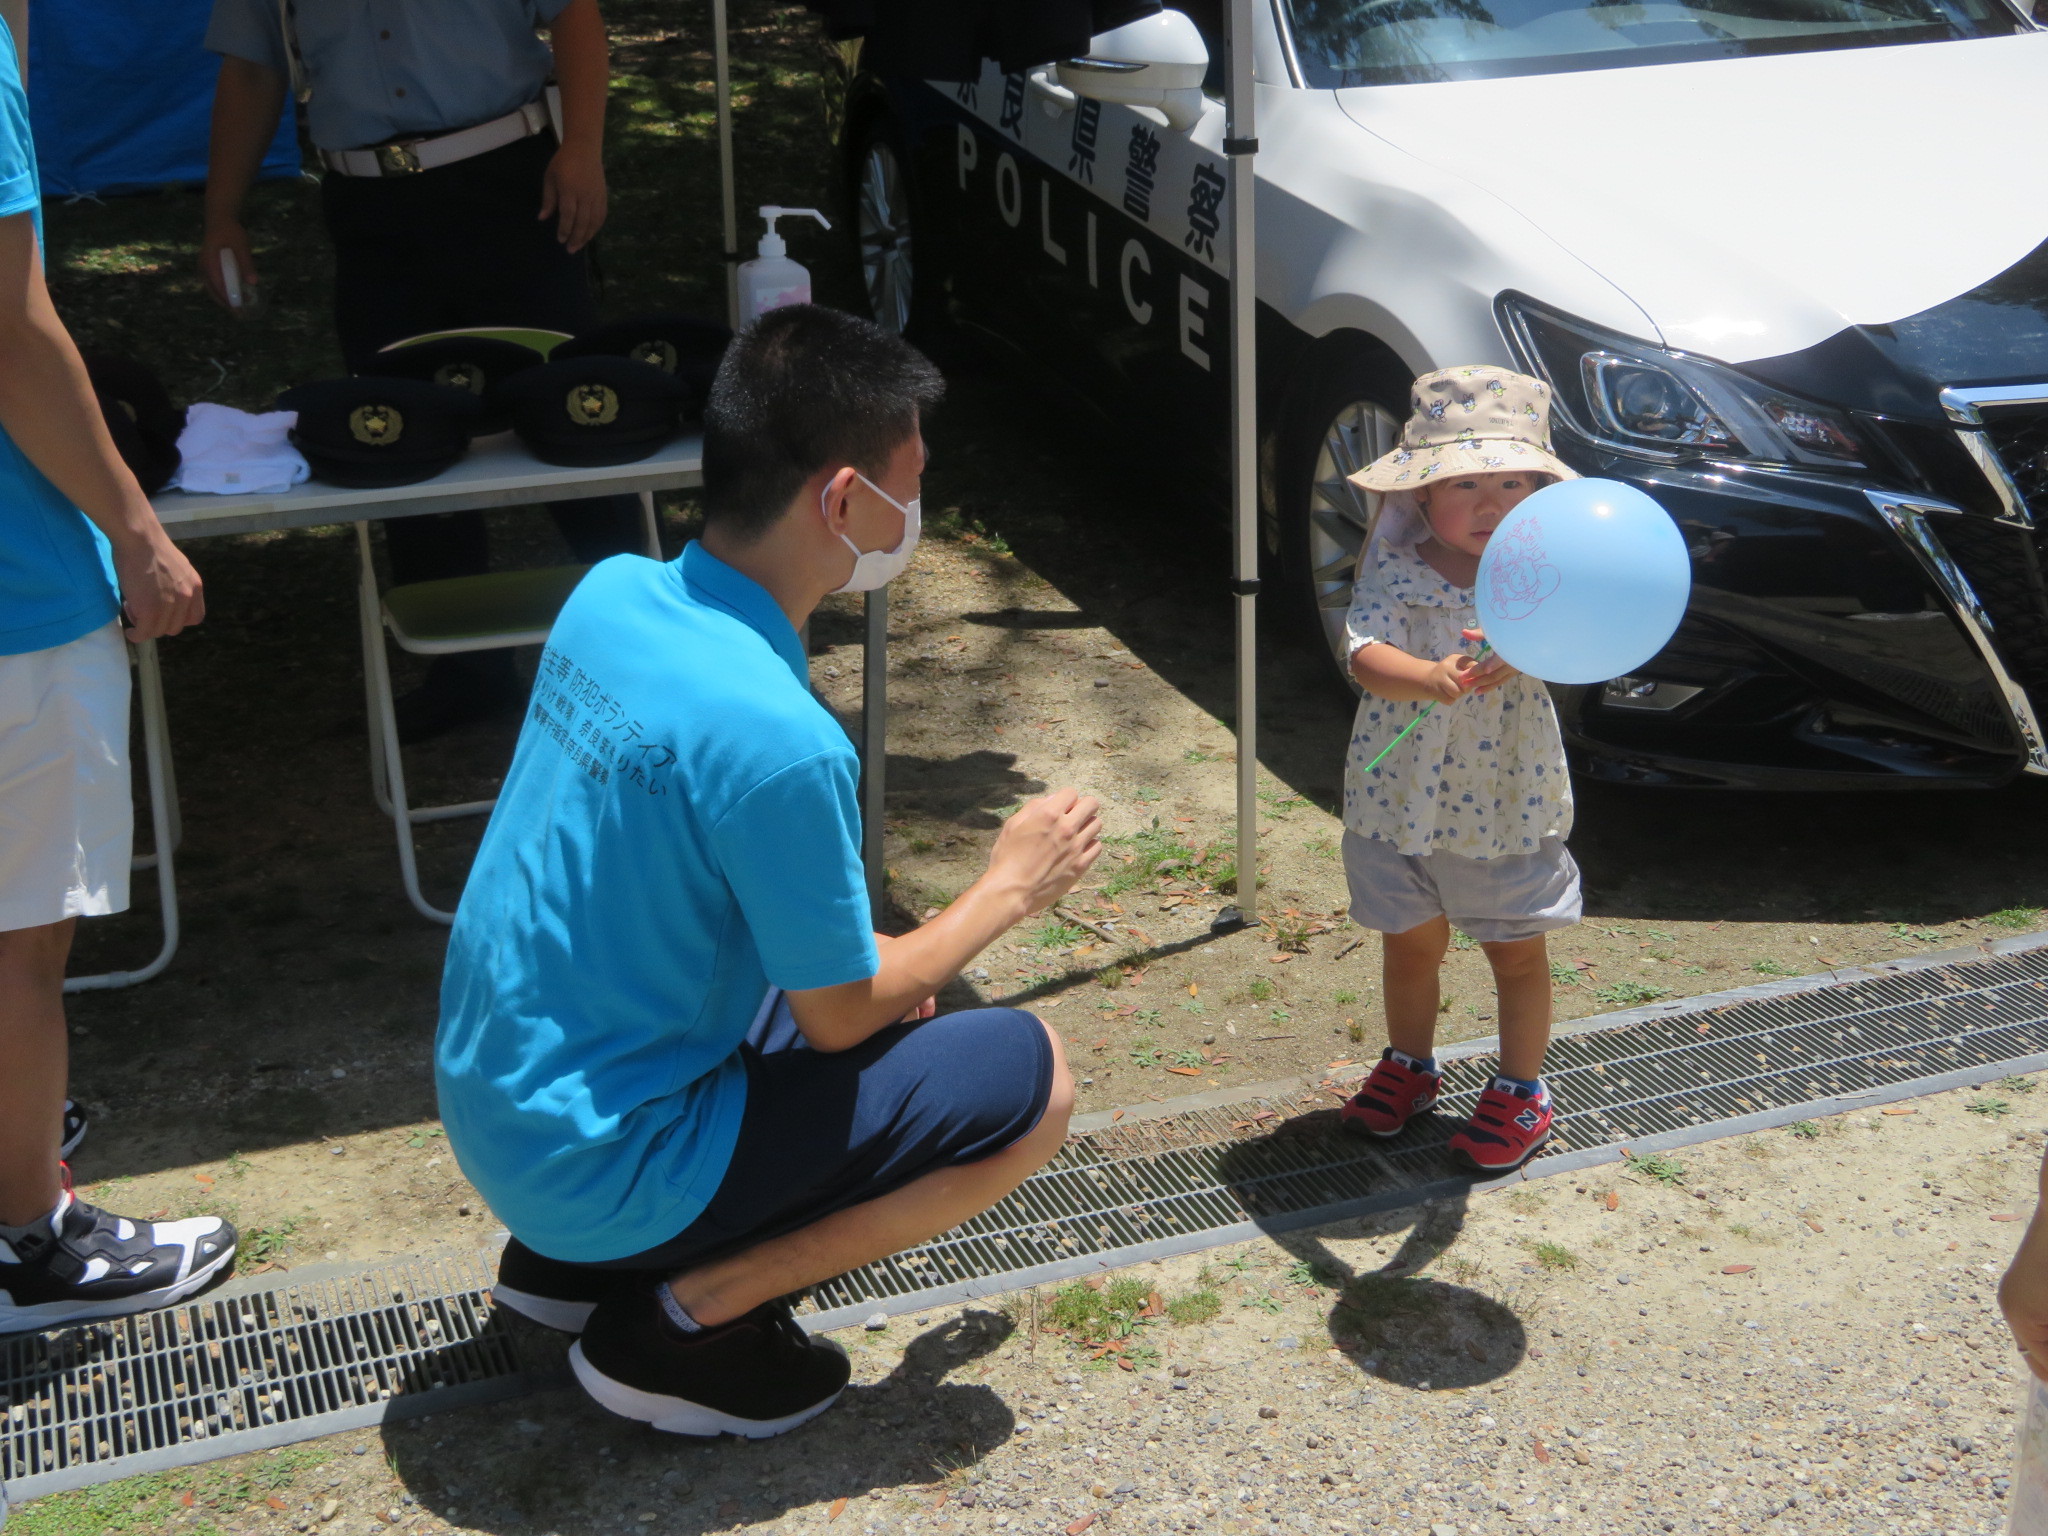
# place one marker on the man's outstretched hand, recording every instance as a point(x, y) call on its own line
point(1047, 846)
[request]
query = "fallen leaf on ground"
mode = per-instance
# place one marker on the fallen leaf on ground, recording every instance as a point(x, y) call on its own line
point(1194, 989)
point(185, 1498)
point(2003, 1217)
point(1895, 1110)
point(1116, 1114)
point(276, 1503)
point(1813, 1224)
point(1542, 1450)
point(1080, 1525)
point(203, 1178)
point(1186, 1071)
point(1614, 1199)
point(1279, 959)
point(838, 1507)
point(1736, 1269)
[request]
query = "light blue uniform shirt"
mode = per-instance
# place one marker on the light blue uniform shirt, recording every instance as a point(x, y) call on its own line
point(679, 829)
point(56, 569)
point(397, 69)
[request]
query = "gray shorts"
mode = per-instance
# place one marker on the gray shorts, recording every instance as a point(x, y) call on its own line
point(1497, 901)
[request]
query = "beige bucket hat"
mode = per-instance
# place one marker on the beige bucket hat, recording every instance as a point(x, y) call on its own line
point(1477, 420)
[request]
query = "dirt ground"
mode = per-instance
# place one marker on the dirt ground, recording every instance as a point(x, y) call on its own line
point(1791, 1332)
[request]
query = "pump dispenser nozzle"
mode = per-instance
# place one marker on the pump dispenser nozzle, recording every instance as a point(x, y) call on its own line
point(772, 243)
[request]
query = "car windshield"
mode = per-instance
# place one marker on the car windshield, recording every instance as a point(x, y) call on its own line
point(1385, 42)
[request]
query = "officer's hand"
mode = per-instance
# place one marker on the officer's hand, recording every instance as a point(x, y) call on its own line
point(226, 237)
point(573, 195)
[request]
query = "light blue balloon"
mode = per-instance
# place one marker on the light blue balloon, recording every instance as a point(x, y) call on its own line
point(1584, 581)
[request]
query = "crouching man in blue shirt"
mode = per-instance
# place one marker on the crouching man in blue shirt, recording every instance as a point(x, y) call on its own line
point(673, 1055)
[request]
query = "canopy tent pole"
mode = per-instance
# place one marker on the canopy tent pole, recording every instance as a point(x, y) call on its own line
point(1240, 144)
point(722, 73)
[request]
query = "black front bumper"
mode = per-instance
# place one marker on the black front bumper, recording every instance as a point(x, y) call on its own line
point(1826, 652)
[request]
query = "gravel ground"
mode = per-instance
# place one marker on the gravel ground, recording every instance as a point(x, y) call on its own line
point(1792, 1331)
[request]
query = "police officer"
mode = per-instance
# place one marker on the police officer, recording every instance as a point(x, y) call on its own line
point(450, 200)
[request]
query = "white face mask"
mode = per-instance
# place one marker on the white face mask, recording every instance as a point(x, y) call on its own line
point(874, 568)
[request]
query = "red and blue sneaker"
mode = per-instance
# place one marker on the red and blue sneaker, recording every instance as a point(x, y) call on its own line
point(1399, 1089)
point(1509, 1125)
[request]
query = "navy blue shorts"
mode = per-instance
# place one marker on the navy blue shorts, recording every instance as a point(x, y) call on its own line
point(824, 1130)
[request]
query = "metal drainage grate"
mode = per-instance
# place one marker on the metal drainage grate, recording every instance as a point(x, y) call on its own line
point(247, 1367)
point(1222, 1173)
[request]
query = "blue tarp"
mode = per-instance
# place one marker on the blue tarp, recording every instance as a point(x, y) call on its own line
point(119, 93)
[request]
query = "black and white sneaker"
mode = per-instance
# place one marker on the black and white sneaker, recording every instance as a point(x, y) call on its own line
point(558, 1295)
point(85, 1263)
point(758, 1375)
point(75, 1126)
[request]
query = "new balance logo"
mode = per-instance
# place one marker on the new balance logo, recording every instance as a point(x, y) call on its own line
point(1529, 1118)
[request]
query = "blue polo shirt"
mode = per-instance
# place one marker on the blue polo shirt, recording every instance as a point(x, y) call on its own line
point(396, 69)
point(56, 570)
point(679, 831)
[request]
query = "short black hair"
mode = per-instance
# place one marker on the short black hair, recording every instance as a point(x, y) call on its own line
point(801, 388)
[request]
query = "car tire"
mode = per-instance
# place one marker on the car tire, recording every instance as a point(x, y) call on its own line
point(1346, 414)
point(880, 200)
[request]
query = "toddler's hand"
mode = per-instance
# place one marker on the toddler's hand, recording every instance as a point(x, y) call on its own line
point(1447, 679)
point(1488, 671)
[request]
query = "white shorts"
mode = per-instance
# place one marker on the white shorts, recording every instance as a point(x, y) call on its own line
point(67, 813)
point(1497, 901)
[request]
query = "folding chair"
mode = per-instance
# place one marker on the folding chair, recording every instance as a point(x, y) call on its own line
point(445, 618)
point(166, 825)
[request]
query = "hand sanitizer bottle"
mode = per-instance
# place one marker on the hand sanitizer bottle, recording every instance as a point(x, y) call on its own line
point(771, 279)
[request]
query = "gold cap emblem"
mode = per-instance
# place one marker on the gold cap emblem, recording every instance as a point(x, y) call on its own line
point(376, 425)
point(593, 405)
point(461, 376)
point(656, 351)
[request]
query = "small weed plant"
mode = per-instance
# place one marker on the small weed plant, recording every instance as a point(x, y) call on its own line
point(1805, 1130)
point(1660, 1168)
point(1990, 1109)
point(1196, 1307)
point(1631, 992)
point(1055, 934)
point(2018, 919)
point(1554, 1256)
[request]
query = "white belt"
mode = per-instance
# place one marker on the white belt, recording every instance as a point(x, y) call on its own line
point(428, 154)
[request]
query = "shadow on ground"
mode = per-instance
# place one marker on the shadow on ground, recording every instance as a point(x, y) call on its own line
point(558, 1462)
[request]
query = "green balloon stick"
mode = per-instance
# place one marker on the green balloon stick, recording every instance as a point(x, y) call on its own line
point(1484, 647)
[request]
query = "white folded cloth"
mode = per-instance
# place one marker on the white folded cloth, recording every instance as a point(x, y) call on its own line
point(228, 452)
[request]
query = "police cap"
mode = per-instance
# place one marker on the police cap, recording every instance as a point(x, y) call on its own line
point(473, 363)
point(372, 431)
point(592, 410)
point(682, 345)
point(139, 415)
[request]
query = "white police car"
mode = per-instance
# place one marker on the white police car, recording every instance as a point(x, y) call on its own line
point(1784, 261)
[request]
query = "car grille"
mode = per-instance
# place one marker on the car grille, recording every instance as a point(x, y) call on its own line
point(2004, 563)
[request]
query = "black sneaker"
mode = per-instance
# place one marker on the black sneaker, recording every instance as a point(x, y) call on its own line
point(558, 1295)
point(99, 1265)
point(758, 1375)
point(75, 1126)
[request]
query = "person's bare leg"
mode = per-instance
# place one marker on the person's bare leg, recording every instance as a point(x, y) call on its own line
point(34, 1066)
point(1410, 962)
point(1521, 976)
point(847, 1239)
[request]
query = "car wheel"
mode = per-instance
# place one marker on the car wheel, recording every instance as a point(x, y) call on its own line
point(1348, 417)
point(881, 198)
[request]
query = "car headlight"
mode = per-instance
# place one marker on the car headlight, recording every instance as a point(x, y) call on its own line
point(1638, 398)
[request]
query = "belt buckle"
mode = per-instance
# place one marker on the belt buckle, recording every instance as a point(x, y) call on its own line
point(397, 160)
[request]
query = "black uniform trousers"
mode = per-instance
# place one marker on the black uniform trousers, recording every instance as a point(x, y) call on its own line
point(462, 245)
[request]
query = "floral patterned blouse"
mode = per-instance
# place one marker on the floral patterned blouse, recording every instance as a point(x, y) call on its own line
point(1484, 777)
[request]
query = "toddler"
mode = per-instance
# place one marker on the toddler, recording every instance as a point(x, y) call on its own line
point(1464, 822)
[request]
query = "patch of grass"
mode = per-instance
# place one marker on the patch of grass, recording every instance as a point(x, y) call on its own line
point(1564, 974)
point(1772, 968)
point(267, 1245)
point(1190, 1059)
point(1267, 1304)
point(1805, 1130)
point(1660, 1167)
point(1153, 851)
point(1146, 795)
point(1525, 1201)
point(155, 1500)
point(1917, 935)
point(1991, 1109)
point(1056, 934)
point(425, 1134)
point(1631, 992)
point(1460, 939)
point(1259, 990)
point(922, 845)
point(238, 1165)
point(1195, 1307)
point(2018, 1084)
point(1343, 998)
point(1090, 1316)
point(1660, 936)
point(1281, 803)
point(1308, 1272)
point(1238, 1263)
point(1290, 932)
point(1193, 1005)
point(2019, 919)
point(1554, 1255)
point(1322, 848)
point(1197, 755)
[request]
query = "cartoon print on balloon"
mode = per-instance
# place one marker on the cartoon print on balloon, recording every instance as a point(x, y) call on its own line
point(1521, 576)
